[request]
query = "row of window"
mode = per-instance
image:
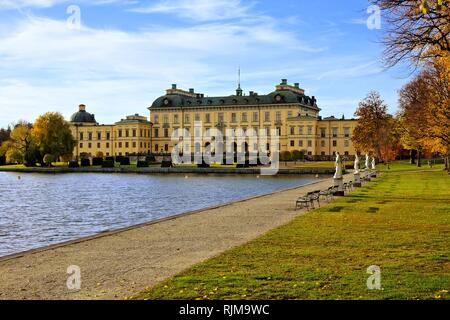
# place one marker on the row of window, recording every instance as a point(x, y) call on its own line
point(322, 143)
point(323, 131)
point(117, 145)
point(244, 117)
point(144, 133)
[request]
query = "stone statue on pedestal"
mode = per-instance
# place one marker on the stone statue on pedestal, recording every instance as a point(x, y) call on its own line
point(367, 162)
point(373, 164)
point(338, 174)
point(356, 164)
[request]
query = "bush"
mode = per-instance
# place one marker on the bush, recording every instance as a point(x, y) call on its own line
point(150, 158)
point(142, 164)
point(119, 158)
point(48, 159)
point(296, 155)
point(97, 161)
point(109, 159)
point(108, 164)
point(2, 160)
point(285, 156)
point(85, 162)
point(166, 164)
point(74, 164)
point(125, 161)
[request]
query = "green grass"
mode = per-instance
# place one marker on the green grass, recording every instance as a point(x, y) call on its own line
point(405, 165)
point(400, 222)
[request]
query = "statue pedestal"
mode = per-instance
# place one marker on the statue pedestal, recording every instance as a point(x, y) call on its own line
point(357, 178)
point(373, 174)
point(367, 174)
point(339, 182)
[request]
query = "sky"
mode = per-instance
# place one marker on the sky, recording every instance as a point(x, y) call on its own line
point(118, 56)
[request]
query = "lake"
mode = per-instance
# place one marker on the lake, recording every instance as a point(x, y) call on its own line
point(42, 209)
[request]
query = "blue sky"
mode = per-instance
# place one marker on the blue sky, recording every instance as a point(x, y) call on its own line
point(127, 52)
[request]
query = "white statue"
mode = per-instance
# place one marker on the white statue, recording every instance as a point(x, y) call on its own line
point(338, 174)
point(373, 164)
point(367, 162)
point(357, 164)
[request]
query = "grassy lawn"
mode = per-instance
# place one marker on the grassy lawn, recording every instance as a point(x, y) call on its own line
point(400, 222)
point(404, 165)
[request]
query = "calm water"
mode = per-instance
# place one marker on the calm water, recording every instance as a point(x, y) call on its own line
point(38, 210)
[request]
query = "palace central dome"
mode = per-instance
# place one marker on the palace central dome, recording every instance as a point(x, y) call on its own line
point(82, 116)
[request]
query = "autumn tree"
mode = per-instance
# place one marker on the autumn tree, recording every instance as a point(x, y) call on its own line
point(52, 136)
point(415, 30)
point(23, 147)
point(375, 126)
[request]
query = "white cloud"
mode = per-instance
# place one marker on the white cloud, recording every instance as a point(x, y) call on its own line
point(199, 10)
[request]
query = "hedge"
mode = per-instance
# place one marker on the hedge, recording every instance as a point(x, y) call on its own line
point(85, 162)
point(74, 164)
point(108, 164)
point(125, 161)
point(97, 161)
point(2, 160)
point(142, 164)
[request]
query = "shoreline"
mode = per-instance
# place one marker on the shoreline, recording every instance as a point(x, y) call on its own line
point(124, 262)
point(159, 170)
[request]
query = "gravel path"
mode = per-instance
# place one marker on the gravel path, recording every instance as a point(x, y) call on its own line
point(119, 264)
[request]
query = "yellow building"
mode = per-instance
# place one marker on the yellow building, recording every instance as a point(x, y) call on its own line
point(130, 136)
point(288, 110)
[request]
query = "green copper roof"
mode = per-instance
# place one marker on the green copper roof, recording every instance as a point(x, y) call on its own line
point(276, 97)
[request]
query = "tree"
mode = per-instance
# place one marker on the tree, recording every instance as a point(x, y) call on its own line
point(416, 30)
point(52, 135)
point(374, 123)
point(5, 135)
point(23, 143)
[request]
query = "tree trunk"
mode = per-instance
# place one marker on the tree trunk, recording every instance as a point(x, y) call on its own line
point(412, 155)
point(419, 163)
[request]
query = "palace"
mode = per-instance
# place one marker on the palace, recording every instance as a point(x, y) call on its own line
point(294, 115)
point(288, 110)
point(131, 135)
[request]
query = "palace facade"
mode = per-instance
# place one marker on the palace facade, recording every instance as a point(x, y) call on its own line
point(130, 136)
point(288, 110)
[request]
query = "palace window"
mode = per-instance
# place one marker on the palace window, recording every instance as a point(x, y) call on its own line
point(127, 145)
point(233, 118)
point(134, 132)
point(278, 116)
point(81, 136)
point(334, 143)
point(220, 117)
point(90, 135)
point(322, 143)
point(292, 143)
point(166, 147)
point(120, 133)
point(267, 116)
point(255, 117)
point(166, 119)
point(89, 145)
point(134, 144)
point(300, 143)
point(244, 117)
point(99, 136)
point(187, 119)
point(300, 130)
point(309, 143)
point(335, 132)
point(208, 118)
point(156, 119)
point(156, 148)
point(81, 145)
point(127, 133)
point(310, 130)
point(346, 143)
point(292, 130)
point(166, 133)
point(108, 136)
point(323, 132)
point(107, 144)
point(156, 133)
point(175, 118)
point(290, 114)
point(120, 144)
point(347, 132)
point(197, 117)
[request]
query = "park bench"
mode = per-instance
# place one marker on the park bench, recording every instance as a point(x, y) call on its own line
point(303, 202)
point(327, 194)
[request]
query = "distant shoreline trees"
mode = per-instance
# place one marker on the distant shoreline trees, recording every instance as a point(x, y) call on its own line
point(43, 142)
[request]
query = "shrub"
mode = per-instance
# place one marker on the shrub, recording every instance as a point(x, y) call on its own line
point(48, 159)
point(108, 164)
point(2, 160)
point(125, 161)
point(99, 154)
point(296, 155)
point(97, 161)
point(119, 158)
point(85, 162)
point(285, 156)
point(142, 164)
point(109, 159)
point(166, 164)
point(150, 158)
point(74, 164)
